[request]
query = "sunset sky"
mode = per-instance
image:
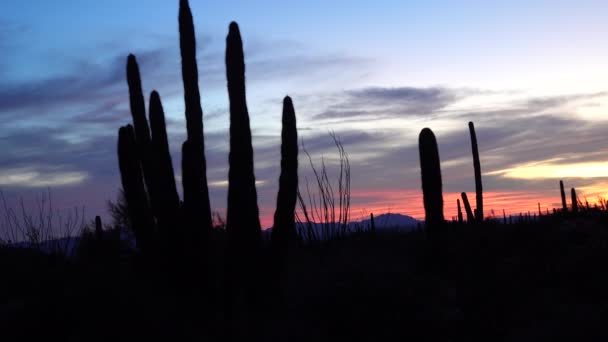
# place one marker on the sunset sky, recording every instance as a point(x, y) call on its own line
point(532, 75)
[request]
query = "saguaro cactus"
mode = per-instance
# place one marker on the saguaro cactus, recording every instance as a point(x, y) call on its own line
point(197, 208)
point(242, 221)
point(98, 228)
point(460, 219)
point(477, 166)
point(168, 200)
point(431, 179)
point(574, 201)
point(563, 193)
point(372, 223)
point(284, 217)
point(133, 185)
point(467, 207)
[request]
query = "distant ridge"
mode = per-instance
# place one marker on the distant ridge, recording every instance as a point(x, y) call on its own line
point(392, 221)
point(396, 222)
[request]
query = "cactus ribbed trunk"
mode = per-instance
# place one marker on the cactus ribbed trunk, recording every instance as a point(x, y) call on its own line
point(467, 207)
point(477, 166)
point(284, 228)
point(142, 133)
point(133, 185)
point(563, 193)
point(168, 201)
point(460, 218)
point(242, 221)
point(431, 179)
point(197, 208)
point(574, 200)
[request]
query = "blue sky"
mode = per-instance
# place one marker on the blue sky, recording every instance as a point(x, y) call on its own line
point(532, 75)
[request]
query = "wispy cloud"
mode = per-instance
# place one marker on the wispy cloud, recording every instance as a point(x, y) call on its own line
point(32, 178)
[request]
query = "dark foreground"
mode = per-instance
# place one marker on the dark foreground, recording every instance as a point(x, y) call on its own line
point(522, 282)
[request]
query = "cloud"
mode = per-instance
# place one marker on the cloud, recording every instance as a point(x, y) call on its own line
point(32, 178)
point(400, 102)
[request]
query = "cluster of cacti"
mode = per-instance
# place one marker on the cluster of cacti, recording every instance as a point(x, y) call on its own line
point(166, 221)
point(431, 179)
point(136, 197)
point(432, 190)
point(159, 219)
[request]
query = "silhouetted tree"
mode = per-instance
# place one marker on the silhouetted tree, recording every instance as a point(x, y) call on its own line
point(431, 179)
point(477, 166)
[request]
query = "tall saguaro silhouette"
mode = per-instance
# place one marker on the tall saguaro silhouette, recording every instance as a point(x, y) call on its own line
point(135, 192)
point(477, 166)
point(284, 217)
point(431, 179)
point(141, 131)
point(168, 201)
point(197, 208)
point(563, 193)
point(467, 207)
point(574, 200)
point(242, 221)
point(460, 220)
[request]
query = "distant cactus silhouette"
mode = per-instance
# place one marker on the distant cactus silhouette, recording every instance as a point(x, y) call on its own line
point(563, 193)
point(477, 166)
point(98, 228)
point(242, 221)
point(197, 208)
point(284, 228)
point(372, 223)
point(431, 179)
point(574, 200)
point(460, 219)
point(133, 185)
point(467, 207)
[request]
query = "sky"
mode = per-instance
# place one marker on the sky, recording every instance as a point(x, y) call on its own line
point(531, 75)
